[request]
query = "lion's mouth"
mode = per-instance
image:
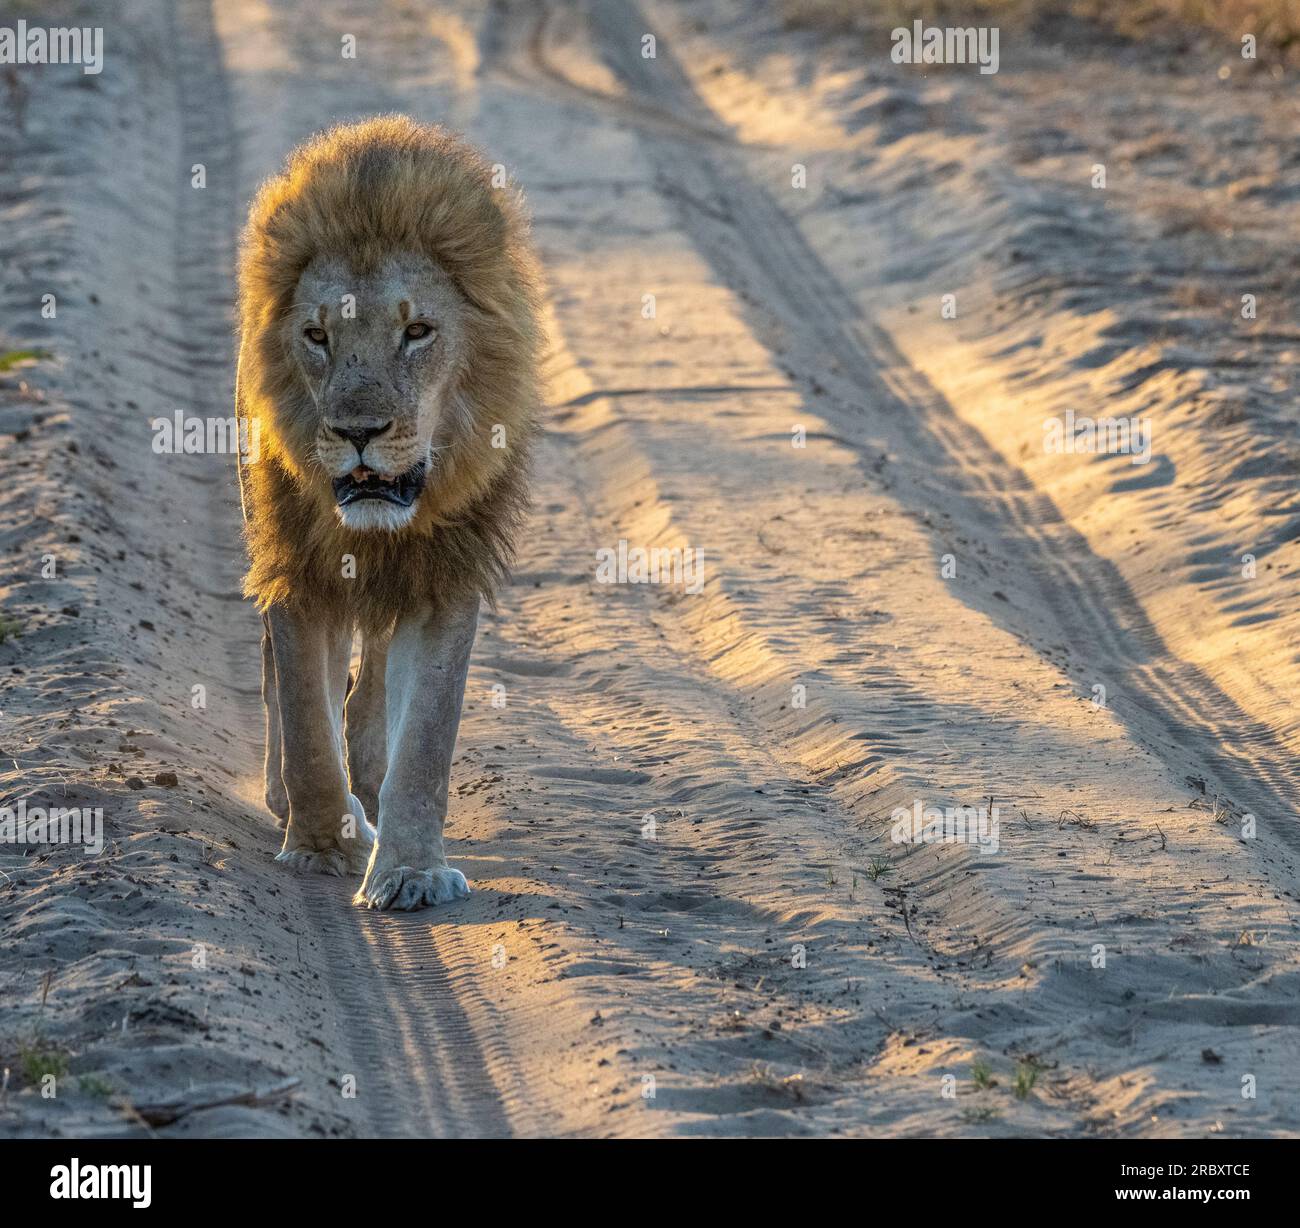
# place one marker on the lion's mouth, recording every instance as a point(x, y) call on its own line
point(363, 483)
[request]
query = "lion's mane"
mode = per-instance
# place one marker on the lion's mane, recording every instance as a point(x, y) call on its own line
point(360, 193)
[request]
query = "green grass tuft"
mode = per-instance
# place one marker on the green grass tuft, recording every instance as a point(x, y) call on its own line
point(95, 1085)
point(40, 1059)
point(1026, 1077)
point(11, 358)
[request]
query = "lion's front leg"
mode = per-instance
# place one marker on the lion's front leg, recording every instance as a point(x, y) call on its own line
point(428, 659)
point(327, 831)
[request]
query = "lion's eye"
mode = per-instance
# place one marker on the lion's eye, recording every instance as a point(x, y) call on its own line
point(417, 331)
point(317, 336)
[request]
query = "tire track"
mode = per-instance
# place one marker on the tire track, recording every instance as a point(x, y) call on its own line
point(204, 260)
point(421, 1072)
point(790, 292)
point(515, 47)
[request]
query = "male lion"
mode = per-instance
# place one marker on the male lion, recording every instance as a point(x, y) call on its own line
point(389, 310)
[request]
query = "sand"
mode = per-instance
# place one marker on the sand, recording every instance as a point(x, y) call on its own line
point(677, 808)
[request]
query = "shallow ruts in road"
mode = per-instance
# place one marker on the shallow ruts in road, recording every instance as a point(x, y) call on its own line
point(771, 962)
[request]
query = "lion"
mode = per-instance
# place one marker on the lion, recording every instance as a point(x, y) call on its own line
point(389, 308)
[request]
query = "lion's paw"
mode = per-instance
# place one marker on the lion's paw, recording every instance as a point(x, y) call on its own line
point(405, 888)
point(348, 855)
point(319, 861)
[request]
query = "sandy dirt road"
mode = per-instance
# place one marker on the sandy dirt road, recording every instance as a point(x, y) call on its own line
point(677, 808)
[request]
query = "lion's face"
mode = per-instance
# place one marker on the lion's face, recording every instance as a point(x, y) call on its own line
point(380, 355)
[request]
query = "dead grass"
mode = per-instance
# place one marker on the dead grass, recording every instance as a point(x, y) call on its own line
point(1275, 23)
point(839, 15)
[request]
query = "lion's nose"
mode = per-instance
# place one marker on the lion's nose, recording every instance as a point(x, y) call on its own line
point(359, 436)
